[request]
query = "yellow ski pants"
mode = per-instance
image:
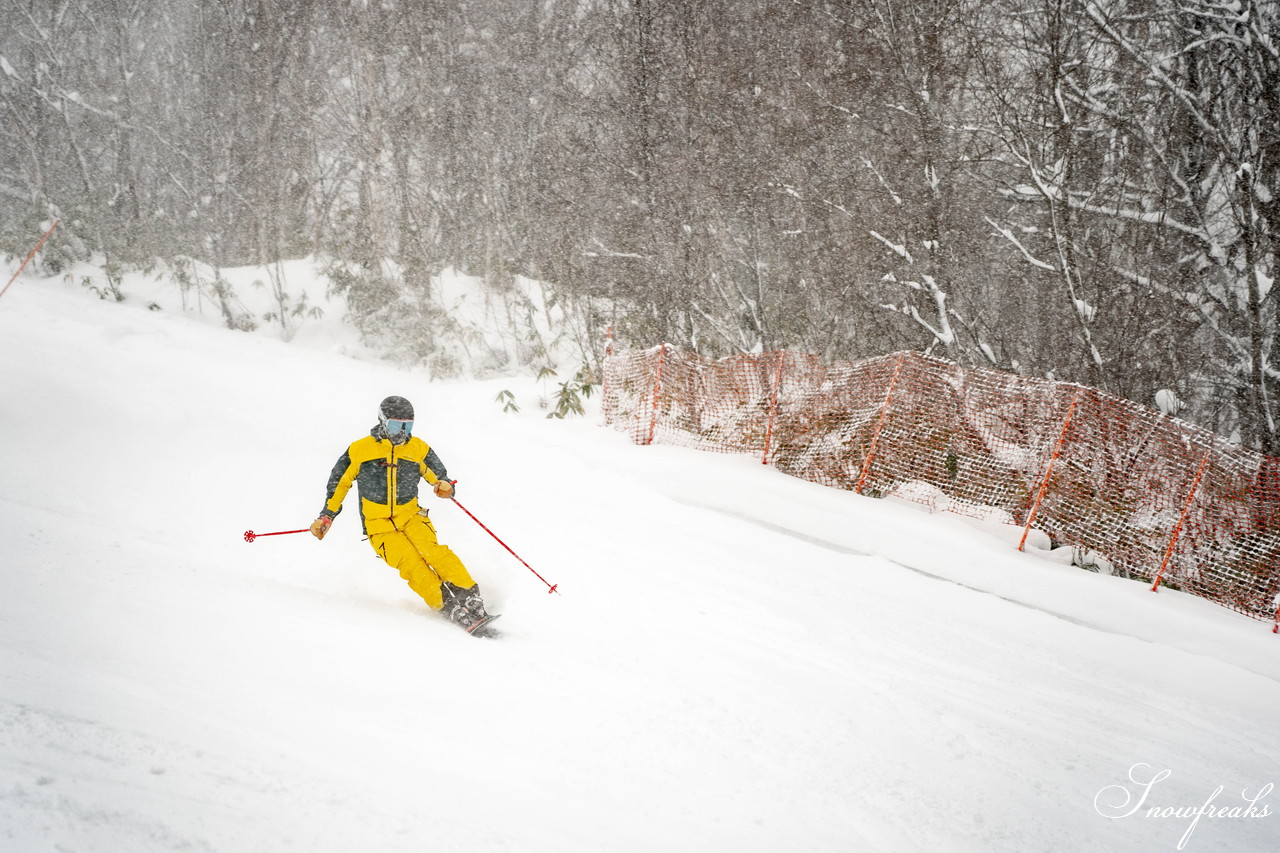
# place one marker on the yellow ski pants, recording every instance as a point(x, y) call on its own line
point(421, 560)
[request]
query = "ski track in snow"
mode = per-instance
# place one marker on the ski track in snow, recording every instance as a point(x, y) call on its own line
point(738, 660)
point(819, 542)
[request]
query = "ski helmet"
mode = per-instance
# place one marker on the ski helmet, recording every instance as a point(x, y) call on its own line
point(395, 416)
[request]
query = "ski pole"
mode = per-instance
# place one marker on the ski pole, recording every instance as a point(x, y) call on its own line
point(249, 535)
point(550, 587)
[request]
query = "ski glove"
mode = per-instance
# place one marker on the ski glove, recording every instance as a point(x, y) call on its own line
point(444, 489)
point(320, 526)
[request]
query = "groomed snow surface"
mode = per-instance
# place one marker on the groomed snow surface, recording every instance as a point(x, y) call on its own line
point(737, 661)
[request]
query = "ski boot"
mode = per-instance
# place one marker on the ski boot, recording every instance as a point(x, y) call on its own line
point(465, 606)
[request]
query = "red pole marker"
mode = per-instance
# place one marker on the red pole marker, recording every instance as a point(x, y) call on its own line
point(249, 535)
point(550, 587)
point(31, 255)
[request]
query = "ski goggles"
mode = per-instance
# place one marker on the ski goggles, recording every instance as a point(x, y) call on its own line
point(397, 427)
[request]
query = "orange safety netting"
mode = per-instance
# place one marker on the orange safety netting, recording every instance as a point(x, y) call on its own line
point(1151, 496)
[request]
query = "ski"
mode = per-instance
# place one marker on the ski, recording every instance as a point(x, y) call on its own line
point(482, 629)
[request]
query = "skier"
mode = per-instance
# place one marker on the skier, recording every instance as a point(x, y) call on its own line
point(386, 466)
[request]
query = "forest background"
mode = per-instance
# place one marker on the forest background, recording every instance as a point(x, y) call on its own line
point(1084, 191)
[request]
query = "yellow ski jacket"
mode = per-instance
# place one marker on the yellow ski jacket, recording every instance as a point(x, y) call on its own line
point(386, 476)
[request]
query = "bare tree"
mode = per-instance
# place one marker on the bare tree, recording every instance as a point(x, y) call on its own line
point(1211, 152)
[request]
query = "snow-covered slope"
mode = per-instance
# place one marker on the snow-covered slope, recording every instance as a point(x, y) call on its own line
point(738, 661)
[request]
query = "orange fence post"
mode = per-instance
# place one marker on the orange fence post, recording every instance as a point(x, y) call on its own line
point(773, 406)
point(605, 401)
point(1177, 528)
point(30, 255)
point(1053, 458)
point(657, 387)
point(875, 436)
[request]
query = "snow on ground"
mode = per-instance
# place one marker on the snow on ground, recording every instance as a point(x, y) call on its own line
point(738, 661)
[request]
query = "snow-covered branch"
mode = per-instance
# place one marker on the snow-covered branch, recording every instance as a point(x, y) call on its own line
point(1009, 235)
